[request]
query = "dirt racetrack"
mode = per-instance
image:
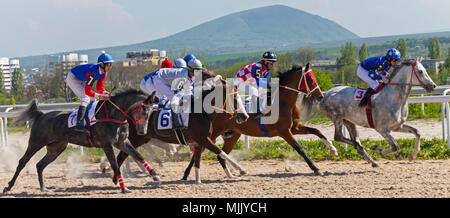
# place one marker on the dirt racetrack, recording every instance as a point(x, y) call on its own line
point(266, 178)
point(75, 178)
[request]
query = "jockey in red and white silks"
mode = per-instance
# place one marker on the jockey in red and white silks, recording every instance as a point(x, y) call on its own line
point(253, 79)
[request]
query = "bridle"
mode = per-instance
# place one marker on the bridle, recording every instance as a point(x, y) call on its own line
point(413, 73)
point(303, 78)
point(135, 121)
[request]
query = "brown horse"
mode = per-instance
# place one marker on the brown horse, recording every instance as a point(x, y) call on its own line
point(292, 82)
point(200, 126)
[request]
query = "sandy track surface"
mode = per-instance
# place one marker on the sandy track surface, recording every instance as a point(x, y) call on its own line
point(266, 178)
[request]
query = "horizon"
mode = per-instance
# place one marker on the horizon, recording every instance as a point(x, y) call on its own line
point(42, 34)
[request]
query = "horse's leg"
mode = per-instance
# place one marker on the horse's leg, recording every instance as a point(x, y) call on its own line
point(53, 151)
point(30, 152)
point(300, 129)
point(386, 135)
point(409, 129)
point(228, 145)
point(126, 147)
point(289, 138)
point(109, 152)
point(207, 142)
point(188, 168)
point(338, 136)
point(152, 154)
point(197, 157)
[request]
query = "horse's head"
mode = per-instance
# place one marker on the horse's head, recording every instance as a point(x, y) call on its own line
point(210, 81)
point(302, 79)
point(421, 76)
point(413, 72)
point(141, 111)
point(309, 85)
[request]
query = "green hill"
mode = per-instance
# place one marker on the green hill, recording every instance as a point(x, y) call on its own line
point(275, 27)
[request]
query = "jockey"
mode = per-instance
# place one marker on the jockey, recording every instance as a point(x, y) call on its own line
point(253, 79)
point(189, 57)
point(374, 71)
point(81, 79)
point(167, 82)
point(179, 63)
point(166, 64)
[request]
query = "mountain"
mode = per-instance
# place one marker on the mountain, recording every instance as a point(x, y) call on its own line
point(274, 27)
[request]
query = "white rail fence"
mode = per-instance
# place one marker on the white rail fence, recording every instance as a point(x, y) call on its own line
point(442, 97)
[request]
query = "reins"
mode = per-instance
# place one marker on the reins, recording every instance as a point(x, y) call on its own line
point(302, 78)
point(413, 71)
point(107, 119)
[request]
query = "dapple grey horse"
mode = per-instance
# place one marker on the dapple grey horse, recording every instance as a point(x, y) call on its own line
point(389, 108)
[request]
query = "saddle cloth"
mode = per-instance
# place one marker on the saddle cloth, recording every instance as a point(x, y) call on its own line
point(165, 119)
point(359, 94)
point(90, 110)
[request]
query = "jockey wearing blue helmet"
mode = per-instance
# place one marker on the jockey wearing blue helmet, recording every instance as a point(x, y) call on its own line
point(374, 71)
point(189, 57)
point(81, 80)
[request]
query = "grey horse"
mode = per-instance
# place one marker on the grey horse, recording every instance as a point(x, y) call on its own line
point(389, 108)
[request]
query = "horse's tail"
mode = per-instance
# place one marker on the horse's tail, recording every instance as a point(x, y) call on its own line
point(31, 113)
point(308, 109)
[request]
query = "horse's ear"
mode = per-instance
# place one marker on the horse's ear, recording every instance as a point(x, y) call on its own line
point(152, 98)
point(307, 66)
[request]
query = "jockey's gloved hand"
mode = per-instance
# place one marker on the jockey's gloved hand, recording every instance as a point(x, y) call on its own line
point(385, 79)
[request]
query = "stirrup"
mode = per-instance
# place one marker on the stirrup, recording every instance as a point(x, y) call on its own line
point(81, 129)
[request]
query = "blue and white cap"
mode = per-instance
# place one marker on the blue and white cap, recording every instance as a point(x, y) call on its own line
point(104, 58)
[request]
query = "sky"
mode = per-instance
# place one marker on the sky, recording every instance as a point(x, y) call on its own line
point(30, 27)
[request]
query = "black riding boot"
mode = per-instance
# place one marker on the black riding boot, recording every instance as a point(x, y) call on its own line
point(258, 113)
point(80, 117)
point(177, 123)
point(366, 97)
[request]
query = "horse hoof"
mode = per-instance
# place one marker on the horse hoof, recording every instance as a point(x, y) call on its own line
point(375, 165)
point(334, 153)
point(156, 178)
point(6, 189)
point(411, 157)
point(126, 191)
point(243, 172)
point(318, 173)
point(198, 182)
point(43, 189)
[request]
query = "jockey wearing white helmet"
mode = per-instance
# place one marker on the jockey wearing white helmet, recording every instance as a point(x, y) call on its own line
point(167, 82)
point(179, 63)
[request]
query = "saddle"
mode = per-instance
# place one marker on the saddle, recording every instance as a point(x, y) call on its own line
point(89, 120)
point(163, 125)
point(359, 93)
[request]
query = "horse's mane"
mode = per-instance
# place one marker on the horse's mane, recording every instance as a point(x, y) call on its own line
point(284, 76)
point(125, 92)
point(397, 67)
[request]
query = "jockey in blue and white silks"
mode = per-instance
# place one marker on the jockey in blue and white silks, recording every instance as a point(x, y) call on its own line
point(167, 82)
point(374, 71)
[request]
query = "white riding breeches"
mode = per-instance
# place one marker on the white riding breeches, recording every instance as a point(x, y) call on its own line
point(77, 87)
point(364, 75)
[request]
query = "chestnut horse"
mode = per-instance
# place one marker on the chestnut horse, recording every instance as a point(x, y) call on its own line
point(292, 82)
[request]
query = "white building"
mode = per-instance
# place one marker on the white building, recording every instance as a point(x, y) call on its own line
point(7, 67)
point(64, 63)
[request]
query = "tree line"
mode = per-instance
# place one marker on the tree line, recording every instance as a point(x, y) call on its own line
point(53, 87)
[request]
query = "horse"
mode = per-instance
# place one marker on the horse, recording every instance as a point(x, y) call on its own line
point(389, 109)
point(292, 82)
point(198, 132)
point(51, 130)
